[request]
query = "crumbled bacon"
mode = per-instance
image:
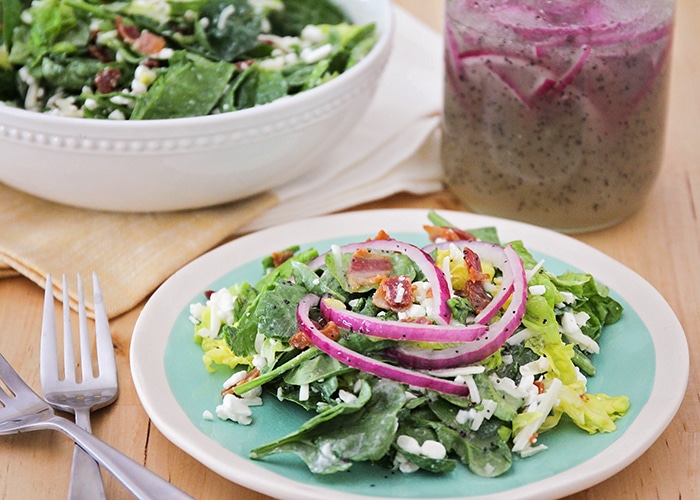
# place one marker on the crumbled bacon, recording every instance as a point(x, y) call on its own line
point(540, 386)
point(279, 258)
point(149, 44)
point(448, 233)
point(99, 52)
point(474, 287)
point(301, 341)
point(381, 235)
point(420, 320)
point(128, 32)
point(395, 293)
point(106, 80)
point(143, 41)
point(367, 268)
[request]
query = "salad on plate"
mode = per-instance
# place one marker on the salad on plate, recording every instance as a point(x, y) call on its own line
point(157, 59)
point(459, 353)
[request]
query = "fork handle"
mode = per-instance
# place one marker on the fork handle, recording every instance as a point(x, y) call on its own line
point(140, 481)
point(85, 478)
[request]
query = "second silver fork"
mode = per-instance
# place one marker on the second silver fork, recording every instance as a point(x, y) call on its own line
point(90, 392)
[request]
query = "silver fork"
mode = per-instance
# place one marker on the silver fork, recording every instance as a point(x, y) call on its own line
point(91, 391)
point(22, 410)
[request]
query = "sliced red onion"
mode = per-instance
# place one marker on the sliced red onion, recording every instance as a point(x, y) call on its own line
point(365, 363)
point(477, 350)
point(398, 330)
point(495, 254)
point(437, 280)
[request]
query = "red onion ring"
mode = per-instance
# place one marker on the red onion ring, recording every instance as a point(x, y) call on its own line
point(437, 280)
point(365, 363)
point(495, 254)
point(471, 352)
point(398, 330)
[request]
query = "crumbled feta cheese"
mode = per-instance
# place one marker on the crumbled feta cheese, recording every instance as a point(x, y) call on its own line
point(508, 386)
point(433, 449)
point(346, 397)
point(312, 34)
point(404, 464)
point(524, 439)
point(273, 63)
point(90, 104)
point(234, 379)
point(537, 289)
point(207, 415)
point(536, 367)
point(313, 55)
point(235, 409)
point(461, 370)
point(520, 336)
point(415, 311)
point(572, 331)
point(120, 100)
point(408, 444)
point(468, 380)
point(116, 115)
point(569, 298)
point(304, 392)
point(226, 12)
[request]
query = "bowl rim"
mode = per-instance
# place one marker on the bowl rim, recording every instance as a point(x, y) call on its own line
point(282, 107)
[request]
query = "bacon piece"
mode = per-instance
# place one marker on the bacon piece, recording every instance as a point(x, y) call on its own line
point(474, 286)
point(99, 52)
point(300, 340)
point(143, 41)
point(149, 44)
point(448, 233)
point(279, 258)
point(381, 235)
point(367, 269)
point(106, 80)
point(128, 32)
point(395, 293)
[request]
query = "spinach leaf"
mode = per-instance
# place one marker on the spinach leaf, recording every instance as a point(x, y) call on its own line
point(319, 367)
point(191, 86)
point(349, 432)
point(276, 312)
point(298, 13)
point(10, 11)
point(258, 86)
point(228, 36)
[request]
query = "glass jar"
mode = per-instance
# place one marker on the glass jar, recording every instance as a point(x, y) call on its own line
point(555, 111)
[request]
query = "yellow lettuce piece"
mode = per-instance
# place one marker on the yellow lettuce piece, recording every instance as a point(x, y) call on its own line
point(217, 352)
point(591, 412)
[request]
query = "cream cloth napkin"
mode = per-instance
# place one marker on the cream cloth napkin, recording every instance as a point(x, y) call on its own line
point(393, 149)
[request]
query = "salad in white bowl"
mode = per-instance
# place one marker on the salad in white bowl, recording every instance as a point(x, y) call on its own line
point(156, 59)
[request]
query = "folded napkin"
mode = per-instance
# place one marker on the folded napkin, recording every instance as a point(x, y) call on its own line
point(393, 149)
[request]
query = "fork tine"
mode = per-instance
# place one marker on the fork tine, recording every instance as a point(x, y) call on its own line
point(103, 337)
point(68, 355)
point(85, 352)
point(49, 350)
point(12, 380)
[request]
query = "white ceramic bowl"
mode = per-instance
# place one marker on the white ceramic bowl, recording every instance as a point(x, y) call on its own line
point(162, 165)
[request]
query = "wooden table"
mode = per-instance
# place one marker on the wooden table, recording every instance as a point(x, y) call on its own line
point(661, 243)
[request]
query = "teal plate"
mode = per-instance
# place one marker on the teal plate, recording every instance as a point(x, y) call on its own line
point(644, 356)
